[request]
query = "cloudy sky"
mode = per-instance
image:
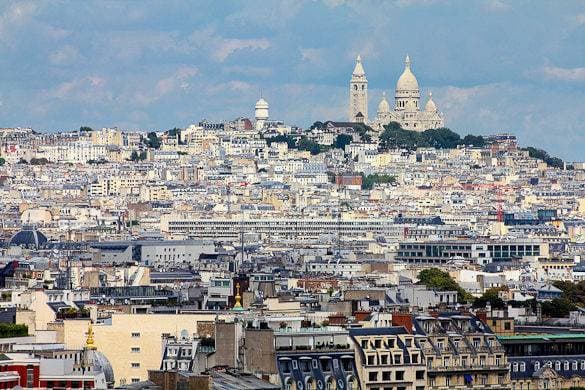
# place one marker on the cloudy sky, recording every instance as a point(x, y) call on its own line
point(493, 66)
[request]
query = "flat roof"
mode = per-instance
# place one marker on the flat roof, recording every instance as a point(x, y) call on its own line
point(545, 337)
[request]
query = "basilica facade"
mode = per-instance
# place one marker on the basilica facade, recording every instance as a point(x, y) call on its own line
point(406, 109)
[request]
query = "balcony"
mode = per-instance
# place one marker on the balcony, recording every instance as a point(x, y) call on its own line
point(490, 367)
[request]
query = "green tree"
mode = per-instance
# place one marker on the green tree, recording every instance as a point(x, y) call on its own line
point(559, 307)
point(317, 125)
point(434, 278)
point(310, 145)
point(13, 330)
point(492, 296)
point(368, 181)
point(2, 161)
point(135, 156)
point(153, 141)
point(39, 161)
point(342, 140)
point(442, 138)
point(85, 129)
point(290, 141)
point(473, 140)
point(540, 154)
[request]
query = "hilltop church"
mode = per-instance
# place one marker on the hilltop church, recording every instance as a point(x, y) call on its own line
point(406, 110)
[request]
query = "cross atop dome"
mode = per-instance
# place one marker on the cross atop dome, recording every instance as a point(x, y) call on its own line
point(407, 61)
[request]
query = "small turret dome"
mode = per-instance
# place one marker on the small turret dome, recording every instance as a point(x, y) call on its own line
point(407, 80)
point(262, 104)
point(431, 106)
point(384, 107)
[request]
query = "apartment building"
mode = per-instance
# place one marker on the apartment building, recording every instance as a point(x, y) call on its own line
point(461, 352)
point(388, 358)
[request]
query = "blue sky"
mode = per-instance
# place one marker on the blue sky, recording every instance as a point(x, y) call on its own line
point(494, 65)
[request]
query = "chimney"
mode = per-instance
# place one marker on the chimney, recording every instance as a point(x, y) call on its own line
point(402, 319)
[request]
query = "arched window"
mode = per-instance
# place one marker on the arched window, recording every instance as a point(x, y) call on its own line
point(352, 383)
point(522, 367)
point(558, 365)
point(536, 366)
point(363, 87)
point(330, 384)
point(355, 87)
point(290, 384)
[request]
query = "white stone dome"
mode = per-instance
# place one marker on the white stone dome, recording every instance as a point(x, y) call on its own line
point(262, 104)
point(407, 80)
point(431, 106)
point(384, 107)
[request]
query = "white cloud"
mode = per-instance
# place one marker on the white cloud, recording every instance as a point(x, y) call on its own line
point(274, 15)
point(497, 5)
point(313, 56)
point(179, 80)
point(88, 89)
point(65, 55)
point(220, 48)
point(231, 86)
point(227, 47)
point(257, 71)
point(14, 16)
point(563, 74)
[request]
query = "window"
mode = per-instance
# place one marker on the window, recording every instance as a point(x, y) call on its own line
point(566, 365)
point(522, 367)
point(295, 365)
point(383, 359)
point(557, 365)
point(285, 366)
point(364, 344)
point(135, 334)
point(315, 364)
point(515, 367)
point(399, 375)
point(135, 380)
point(448, 380)
point(386, 375)
point(135, 365)
point(30, 376)
point(420, 375)
point(536, 366)
point(507, 325)
point(135, 349)
point(372, 376)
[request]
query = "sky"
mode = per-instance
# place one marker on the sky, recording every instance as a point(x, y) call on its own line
point(492, 65)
